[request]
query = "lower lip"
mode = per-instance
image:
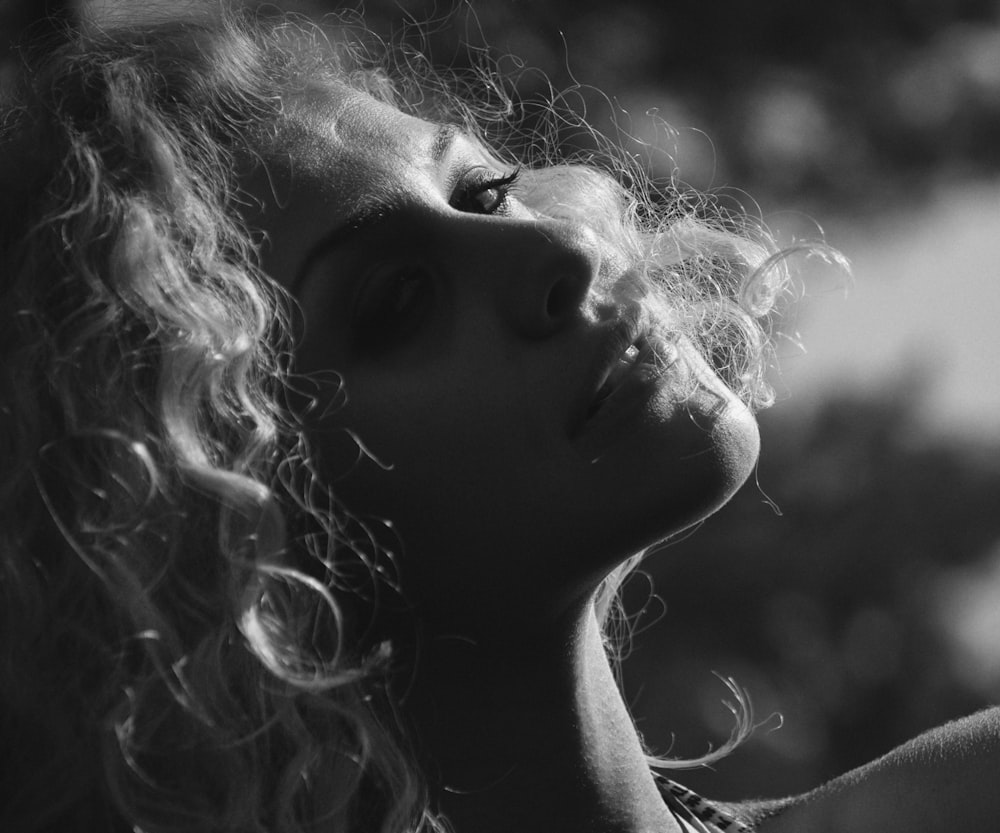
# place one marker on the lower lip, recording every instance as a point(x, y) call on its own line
point(643, 381)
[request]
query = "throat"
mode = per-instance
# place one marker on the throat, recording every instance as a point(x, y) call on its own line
point(532, 737)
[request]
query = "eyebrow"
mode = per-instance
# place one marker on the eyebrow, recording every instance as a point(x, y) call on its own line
point(444, 138)
point(370, 213)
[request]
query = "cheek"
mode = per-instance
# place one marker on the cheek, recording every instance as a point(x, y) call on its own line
point(463, 472)
point(440, 433)
point(403, 452)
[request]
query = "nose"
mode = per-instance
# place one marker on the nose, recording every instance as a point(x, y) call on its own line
point(538, 272)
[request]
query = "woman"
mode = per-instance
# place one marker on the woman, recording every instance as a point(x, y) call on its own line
point(329, 434)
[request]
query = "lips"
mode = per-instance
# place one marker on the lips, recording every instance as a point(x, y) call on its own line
point(626, 369)
point(617, 373)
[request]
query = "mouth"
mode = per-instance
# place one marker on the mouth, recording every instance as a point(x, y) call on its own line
point(632, 361)
point(615, 375)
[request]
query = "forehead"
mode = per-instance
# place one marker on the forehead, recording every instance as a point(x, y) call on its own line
point(346, 141)
point(334, 151)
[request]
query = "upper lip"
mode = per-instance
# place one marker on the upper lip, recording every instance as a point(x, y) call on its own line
point(626, 331)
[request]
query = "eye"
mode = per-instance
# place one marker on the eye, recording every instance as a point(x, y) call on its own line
point(482, 193)
point(389, 308)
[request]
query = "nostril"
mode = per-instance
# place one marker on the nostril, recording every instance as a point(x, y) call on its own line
point(565, 296)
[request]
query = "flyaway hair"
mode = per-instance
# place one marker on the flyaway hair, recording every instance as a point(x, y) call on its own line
point(179, 646)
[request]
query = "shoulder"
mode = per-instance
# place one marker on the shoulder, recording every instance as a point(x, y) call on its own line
point(943, 780)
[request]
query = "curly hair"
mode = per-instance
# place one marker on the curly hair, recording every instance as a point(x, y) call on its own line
point(174, 653)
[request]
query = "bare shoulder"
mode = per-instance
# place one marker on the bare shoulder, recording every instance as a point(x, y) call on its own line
point(946, 779)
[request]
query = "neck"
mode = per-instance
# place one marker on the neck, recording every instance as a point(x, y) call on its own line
point(531, 735)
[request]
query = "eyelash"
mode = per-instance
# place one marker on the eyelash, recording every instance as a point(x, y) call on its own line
point(467, 193)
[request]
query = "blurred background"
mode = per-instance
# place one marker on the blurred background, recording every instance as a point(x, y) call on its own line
point(854, 588)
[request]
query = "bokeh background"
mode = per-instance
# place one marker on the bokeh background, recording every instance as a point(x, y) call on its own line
point(854, 588)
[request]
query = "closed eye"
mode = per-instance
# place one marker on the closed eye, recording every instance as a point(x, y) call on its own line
point(390, 306)
point(484, 193)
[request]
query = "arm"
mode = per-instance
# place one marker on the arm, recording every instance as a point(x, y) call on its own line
point(947, 779)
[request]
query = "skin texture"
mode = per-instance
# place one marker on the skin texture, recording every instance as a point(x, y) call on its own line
point(461, 338)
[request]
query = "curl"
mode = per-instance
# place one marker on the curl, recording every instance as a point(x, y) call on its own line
point(160, 615)
point(174, 574)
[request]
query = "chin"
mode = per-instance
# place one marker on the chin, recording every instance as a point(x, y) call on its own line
point(729, 443)
point(737, 439)
point(714, 475)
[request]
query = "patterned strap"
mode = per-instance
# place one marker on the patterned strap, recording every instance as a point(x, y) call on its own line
point(694, 812)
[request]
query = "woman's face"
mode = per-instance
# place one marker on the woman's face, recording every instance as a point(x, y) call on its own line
point(487, 381)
